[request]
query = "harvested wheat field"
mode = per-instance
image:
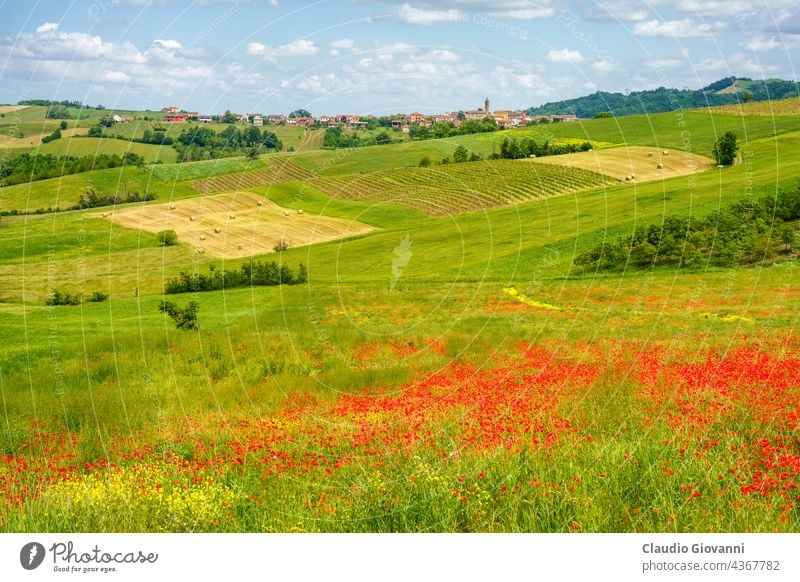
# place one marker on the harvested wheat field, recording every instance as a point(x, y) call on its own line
point(634, 164)
point(11, 108)
point(235, 225)
point(760, 108)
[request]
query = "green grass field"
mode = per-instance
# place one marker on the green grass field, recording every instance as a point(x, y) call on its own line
point(442, 373)
point(92, 146)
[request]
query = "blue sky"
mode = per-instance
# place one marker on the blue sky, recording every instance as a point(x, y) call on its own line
point(381, 56)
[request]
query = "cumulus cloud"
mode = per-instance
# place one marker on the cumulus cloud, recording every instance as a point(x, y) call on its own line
point(167, 44)
point(424, 17)
point(68, 46)
point(604, 66)
point(740, 62)
point(343, 44)
point(665, 63)
point(717, 7)
point(709, 65)
point(47, 27)
point(613, 10)
point(116, 77)
point(763, 44)
point(672, 28)
point(427, 12)
point(564, 56)
point(296, 48)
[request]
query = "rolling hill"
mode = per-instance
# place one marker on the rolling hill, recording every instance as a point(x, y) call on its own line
point(727, 91)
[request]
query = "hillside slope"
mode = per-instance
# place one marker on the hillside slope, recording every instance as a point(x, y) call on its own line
point(726, 91)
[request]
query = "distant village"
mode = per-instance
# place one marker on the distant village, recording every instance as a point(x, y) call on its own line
point(502, 117)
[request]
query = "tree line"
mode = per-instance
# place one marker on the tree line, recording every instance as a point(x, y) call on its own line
point(666, 99)
point(513, 149)
point(199, 143)
point(335, 137)
point(31, 167)
point(251, 274)
point(742, 232)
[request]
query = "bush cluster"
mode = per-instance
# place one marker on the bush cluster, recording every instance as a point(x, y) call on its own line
point(741, 233)
point(251, 274)
point(31, 167)
point(57, 297)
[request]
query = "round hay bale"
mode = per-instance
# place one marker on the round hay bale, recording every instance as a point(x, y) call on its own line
point(105, 214)
point(627, 178)
point(192, 218)
point(201, 251)
point(231, 216)
point(660, 166)
point(633, 176)
point(218, 230)
point(299, 211)
point(665, 153)
point(259, 204)
point(650, 155)
point(240, 247)
point(202, 237)
point(172, 207)
point(286, 213)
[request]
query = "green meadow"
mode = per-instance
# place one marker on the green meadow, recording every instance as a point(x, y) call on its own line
point(440, 373)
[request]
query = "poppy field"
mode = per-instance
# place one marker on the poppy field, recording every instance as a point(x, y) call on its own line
point(558, 434)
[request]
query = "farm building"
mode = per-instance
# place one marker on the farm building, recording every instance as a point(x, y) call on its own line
point(176, 117)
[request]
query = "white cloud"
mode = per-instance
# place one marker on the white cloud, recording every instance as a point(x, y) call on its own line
point(525, 14)
point(529, 80)
point(672, 28)
point(716, 7)
point(740, 62)
point(116, 77)
point(426, 12)
point(421, 16)
point(68, 46)
point(564, 56)
point(343, 44)
point(613, 10)
point(47, 27)
point(665, 63)
point(709, 65)
point(439, 55)
point(167, 44)
point(605, 66)
point(296, 48)
point(273, 3)
point(763, 44)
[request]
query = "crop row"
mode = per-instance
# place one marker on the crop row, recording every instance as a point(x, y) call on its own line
point(463, 187)
point(282, 170)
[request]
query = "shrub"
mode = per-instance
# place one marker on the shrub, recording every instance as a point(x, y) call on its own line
point(280, 246)
point(63, 125)
point(52, 137)
point(167, 238)
point(58, 298)
point(98, 297)
point(184, 317)
point(425, 162)
point(461, 154)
